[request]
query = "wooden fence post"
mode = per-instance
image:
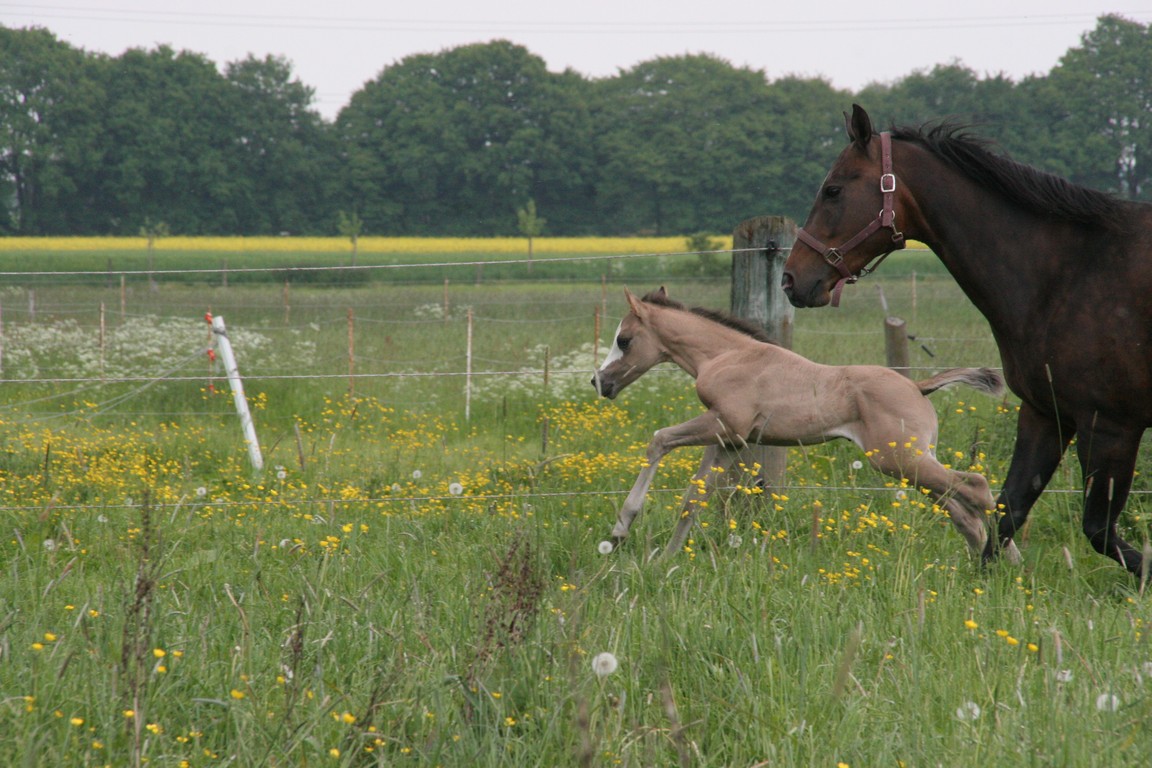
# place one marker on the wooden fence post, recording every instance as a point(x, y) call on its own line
point(756, 274)
point(756, 295)
point(896, 345)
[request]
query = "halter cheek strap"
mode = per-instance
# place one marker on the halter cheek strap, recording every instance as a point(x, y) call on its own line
point(886, 219)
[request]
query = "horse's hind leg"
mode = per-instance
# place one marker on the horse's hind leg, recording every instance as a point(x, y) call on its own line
point(1107, 459)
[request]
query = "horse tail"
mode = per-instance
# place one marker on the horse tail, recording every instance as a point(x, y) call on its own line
point(985, 380)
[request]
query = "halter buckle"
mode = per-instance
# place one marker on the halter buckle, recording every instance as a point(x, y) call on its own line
point(834, 257)
point(888, 183)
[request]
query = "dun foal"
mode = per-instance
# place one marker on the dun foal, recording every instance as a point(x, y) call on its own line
point(759, 393)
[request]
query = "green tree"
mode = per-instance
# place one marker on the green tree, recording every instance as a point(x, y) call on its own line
point(285, 171)
point(691, 143)
point(1096, 105)
point(169, 144)
point(438, 143)
point(350, 225)
point(48, 109)
point(946, 92)
point(153, 231)
point(530, 224)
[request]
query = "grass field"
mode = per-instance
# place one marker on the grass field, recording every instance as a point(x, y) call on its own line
point(402, 585)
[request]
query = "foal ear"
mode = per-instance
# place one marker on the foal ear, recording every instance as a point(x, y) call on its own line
point(858, 126)
point(635, 304)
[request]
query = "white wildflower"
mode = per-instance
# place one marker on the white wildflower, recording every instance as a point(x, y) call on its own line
point(604, 664)
point(1107, 702)
point(969, 710)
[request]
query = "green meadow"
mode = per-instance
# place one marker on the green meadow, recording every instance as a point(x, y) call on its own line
point(415, 576)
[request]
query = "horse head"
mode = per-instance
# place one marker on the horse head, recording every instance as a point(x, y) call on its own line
point(860, 183)
point(635, 348)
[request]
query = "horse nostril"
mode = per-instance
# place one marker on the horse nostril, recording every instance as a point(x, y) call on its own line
point(787, 282)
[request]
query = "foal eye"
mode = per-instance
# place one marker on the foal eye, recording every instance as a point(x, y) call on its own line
point(623, 342)
point(831, 192)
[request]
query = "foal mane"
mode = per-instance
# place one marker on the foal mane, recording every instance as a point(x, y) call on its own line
point(1030, 188)
point(747, 327)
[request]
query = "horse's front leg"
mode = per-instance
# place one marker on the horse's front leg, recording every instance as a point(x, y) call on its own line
point(1040, 444)
point(706, 429)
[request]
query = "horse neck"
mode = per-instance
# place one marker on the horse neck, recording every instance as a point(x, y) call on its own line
point(691, 341)
point(984, 241)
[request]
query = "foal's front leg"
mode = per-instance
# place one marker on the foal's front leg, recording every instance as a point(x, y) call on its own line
point(705, 429)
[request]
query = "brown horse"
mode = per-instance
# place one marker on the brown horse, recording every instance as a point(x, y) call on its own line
point(1062, 273)
point(759, 393)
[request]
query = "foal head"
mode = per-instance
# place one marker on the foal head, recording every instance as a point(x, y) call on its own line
point(635, 349)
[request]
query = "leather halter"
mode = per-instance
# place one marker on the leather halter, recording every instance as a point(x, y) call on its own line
point(834, 255)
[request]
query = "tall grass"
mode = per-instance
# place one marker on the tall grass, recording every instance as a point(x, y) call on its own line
point(404, 586)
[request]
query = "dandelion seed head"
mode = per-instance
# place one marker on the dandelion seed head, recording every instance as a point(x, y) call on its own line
point(1107, 702)
point(1063, 675)
point(604, 664)
point(50, 545)
point(969, 710)
point(455, 489)
point(417, 474)
point(605, 547)
point(857, 464)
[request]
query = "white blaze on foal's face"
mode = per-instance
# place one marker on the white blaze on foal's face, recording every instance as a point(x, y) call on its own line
point(615, 353)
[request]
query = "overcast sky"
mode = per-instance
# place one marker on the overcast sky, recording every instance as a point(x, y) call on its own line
point(338, 45)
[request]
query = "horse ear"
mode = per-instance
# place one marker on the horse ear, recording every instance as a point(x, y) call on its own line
point(635, 304)
point(662, 293)
point(859, 126)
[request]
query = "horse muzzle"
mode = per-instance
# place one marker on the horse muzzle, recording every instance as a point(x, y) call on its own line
point(817, 294)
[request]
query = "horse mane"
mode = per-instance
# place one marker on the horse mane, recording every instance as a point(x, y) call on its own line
point(747, 327)
point(1030, 188)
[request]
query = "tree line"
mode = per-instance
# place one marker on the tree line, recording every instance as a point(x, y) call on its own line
point(456, 142)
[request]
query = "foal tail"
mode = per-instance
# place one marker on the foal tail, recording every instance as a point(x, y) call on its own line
point(985, 380)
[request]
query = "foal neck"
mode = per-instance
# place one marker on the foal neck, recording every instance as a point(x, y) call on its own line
point(691, 340)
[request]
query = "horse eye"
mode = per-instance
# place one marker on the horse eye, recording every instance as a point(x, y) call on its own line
point(831, 192)
point(623, 342)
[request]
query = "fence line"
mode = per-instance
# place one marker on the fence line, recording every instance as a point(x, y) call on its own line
point(333, 502)
point(362, 267)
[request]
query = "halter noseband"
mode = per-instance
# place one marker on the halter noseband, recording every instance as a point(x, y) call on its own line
point(885, 219)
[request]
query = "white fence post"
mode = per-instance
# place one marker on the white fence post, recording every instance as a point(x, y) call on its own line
point(468, 370)
point(237, 387)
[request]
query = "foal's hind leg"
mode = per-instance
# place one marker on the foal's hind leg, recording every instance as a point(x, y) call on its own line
point(717, 461)
point(965, 495)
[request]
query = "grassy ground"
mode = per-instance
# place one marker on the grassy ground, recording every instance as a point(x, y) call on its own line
point(402, 585)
